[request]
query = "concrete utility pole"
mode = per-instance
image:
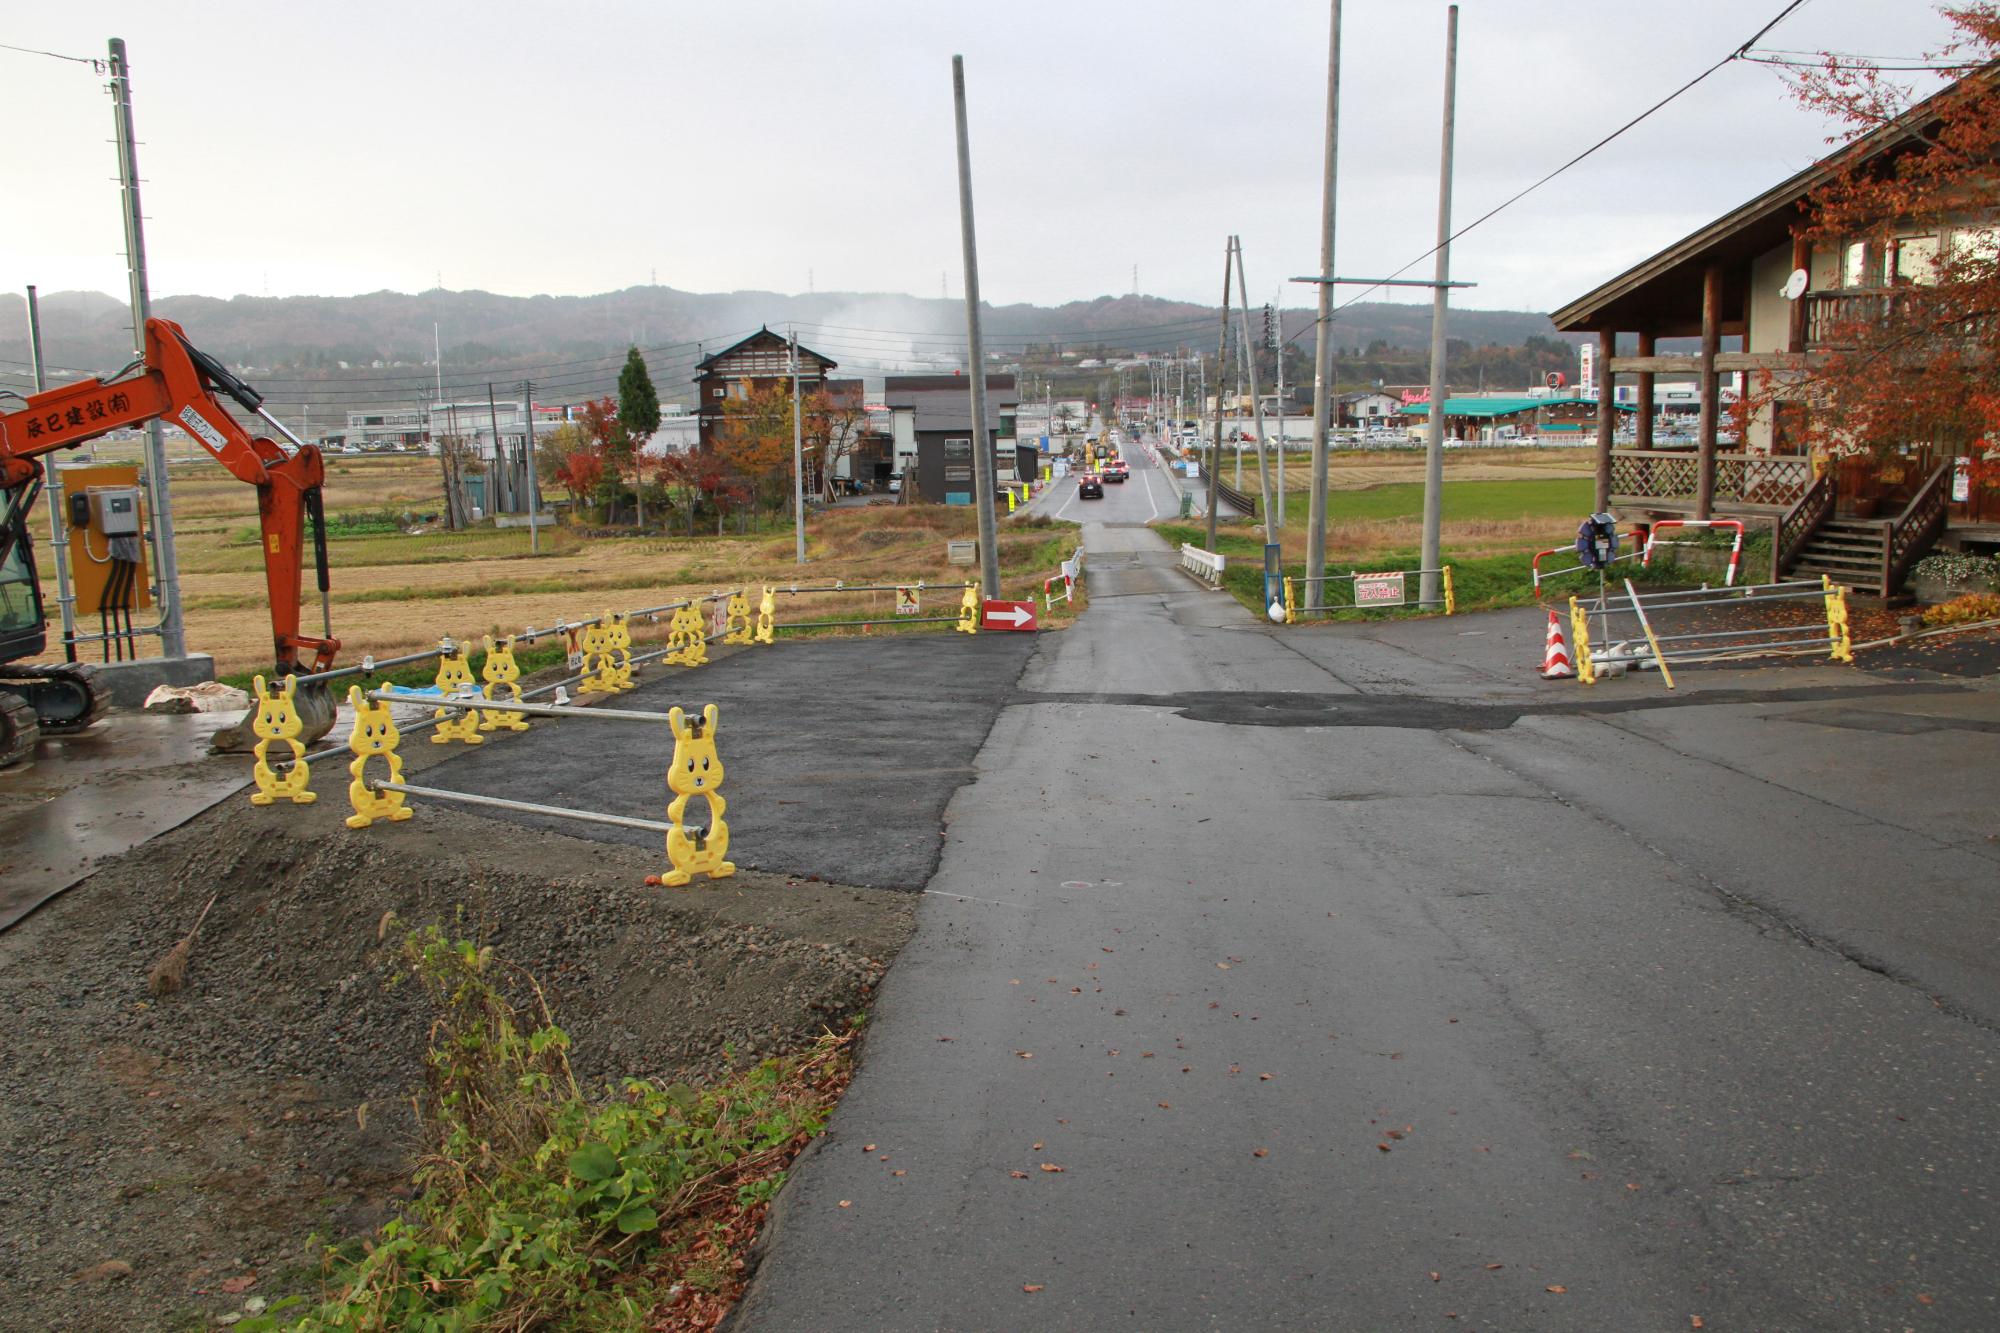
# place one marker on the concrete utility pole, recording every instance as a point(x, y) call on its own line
point(534, 482)
point(1278, 350)
point(173, 634)
point(58, 531)
point(798, 458)
point(1323, 383)
point(982, 452)
point(1221, 357)
point(1440, 300)
point(499, 498)
point(1256, 402)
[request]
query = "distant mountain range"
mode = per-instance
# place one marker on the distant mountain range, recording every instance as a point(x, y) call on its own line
point(571, 345)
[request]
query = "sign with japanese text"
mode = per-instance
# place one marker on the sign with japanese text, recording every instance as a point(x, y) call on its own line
point(1378, 590)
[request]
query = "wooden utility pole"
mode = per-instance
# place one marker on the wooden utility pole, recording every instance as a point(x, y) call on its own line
point(1221, 359)
point(1433, 553)
point(1256, 399)
point(1607, 419)
point(1324, 391)
point(982, 450)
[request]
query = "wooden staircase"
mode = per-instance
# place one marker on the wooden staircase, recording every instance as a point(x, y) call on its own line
point(1848, 551)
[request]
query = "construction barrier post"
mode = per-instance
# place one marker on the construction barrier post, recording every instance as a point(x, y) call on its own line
point(1291, 603)
point(454, 678)
point(686, 644)
point(1450, 596)
point(696, 771)
point(375, 734)
point(1836, 620)
point(767, 616)
point(968, 611)
point(501, 673)
point(596, 663)
point(1579, 629)
point(617, 651)
point(736, 624)
point(277, 719)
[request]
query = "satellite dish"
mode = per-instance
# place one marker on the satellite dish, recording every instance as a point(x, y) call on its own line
point(1795, 286)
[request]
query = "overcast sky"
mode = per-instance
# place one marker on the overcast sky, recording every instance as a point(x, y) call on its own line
point(525, 148)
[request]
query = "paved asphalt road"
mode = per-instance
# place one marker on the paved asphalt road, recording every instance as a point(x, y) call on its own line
point(1354, 978)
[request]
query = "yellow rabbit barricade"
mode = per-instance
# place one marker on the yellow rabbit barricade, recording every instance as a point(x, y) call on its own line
point(374, 736)
point(696, 770)
point(616, 662)
point(454, 677)
point(687, 644)
point(767, 616)
point(736, 622)
point(277, 719)
point(501, 674)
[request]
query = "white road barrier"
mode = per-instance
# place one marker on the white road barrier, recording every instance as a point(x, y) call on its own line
point(1201, 564)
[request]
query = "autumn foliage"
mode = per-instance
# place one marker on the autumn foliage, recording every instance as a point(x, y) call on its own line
point(1916, 232)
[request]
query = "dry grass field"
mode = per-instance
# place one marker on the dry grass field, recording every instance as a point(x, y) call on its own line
point(395, 592)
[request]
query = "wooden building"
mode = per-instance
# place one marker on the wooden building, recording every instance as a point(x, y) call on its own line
point(762, 359)
point(1728, 281)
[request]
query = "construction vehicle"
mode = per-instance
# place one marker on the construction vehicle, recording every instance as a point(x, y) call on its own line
point(175, 383)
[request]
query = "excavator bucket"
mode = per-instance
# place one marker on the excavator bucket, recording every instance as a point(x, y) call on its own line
point(315, 706)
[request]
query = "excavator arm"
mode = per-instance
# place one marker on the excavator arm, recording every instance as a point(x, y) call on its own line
point(179, 385)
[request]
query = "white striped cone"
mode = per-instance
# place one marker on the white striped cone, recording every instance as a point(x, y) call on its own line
point(1555, 657)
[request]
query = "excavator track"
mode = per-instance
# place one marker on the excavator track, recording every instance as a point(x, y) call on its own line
point(65, 697)
point(18, 729)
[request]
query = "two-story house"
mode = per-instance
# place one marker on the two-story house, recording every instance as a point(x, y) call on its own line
point(1751, 278)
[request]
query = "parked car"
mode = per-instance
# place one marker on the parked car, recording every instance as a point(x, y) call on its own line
point(896, 484)
point(1089, 486)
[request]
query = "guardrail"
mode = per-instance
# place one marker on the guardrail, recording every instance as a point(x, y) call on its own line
point(1204, 565)
point(1244, 504)
point(1067, 576)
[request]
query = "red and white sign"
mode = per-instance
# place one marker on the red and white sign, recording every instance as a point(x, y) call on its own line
point(1378, 590)
point(1007, 615)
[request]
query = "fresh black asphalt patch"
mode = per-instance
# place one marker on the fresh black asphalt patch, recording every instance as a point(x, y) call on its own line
point(840, 754)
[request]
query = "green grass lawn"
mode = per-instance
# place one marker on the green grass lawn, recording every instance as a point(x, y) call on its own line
point(1553, 497)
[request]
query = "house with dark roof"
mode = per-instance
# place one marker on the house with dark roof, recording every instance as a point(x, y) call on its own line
point(1750, 279)
point(758, 361)
point(931, 425)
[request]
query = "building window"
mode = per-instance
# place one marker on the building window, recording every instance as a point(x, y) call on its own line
point(958, 448)
point(957, 472)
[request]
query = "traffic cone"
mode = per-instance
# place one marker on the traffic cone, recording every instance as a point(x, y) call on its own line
point(1555, 657)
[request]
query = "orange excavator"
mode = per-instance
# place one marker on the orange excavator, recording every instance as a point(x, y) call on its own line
point(175, 383)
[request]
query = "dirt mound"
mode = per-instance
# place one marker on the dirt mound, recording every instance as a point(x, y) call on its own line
point(201, 1138)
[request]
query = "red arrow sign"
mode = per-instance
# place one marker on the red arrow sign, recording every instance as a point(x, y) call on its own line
point(1008, 615)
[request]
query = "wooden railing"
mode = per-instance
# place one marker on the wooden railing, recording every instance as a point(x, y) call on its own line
point(1911, 532)
point(1671, 476)
point(1832, 315)
point(1803, 519)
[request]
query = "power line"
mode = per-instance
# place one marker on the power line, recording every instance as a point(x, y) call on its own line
point(95, 64)
point(1737, 54)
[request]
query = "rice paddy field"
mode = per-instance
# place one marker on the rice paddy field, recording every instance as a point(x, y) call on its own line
point(400, 583)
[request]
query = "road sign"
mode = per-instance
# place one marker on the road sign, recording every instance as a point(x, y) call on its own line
point(1378, 590)
point(906, 601)
point(1007, 615)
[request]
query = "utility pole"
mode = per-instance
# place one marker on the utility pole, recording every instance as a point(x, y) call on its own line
point(1440, 299)
point(798, 459)
point(437, 358)
point(500, 488)
point(1278, 350)
point(982, 453)
point(173, 633)
point(1221, 353)
point(1256, 402)
point(58, 532)
point(1323, 383)
point(534, 482)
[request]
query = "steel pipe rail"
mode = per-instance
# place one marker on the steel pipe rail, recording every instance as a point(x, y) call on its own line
point(484, 705)
point(523, 807)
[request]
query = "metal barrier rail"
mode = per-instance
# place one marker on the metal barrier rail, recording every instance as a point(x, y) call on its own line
point(1735, 549)
point(483, 704)
point(1535, 566)
point(524, 807)
point(1660, 651)
point(1379, 601)
point(1067, 575)
point(1204, 565)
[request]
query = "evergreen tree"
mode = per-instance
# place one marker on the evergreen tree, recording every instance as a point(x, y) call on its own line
point(638, 401)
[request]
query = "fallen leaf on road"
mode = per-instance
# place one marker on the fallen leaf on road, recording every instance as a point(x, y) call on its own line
point(868, 1147)
point(1436, 1276)
point(1395, 1133)
point(1018, 1175)
point(1107, 948)
point(1166, 1106)
point(1560, 1291)
point(1925, 1298)
point(1224, 967)
point(1383, 1147)
point(1694, 1321)
point(236, 1286)
point(1261, 1152)
point(1265, 1078)
point(847, 1203)
point(899, 1173)
point(1038, 1147)
point(1632, 1185)
point(1025, 1055)
point(1051, 1168)
point(1031, 1287)
point(1145, 1055)
point(1491, 1267)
